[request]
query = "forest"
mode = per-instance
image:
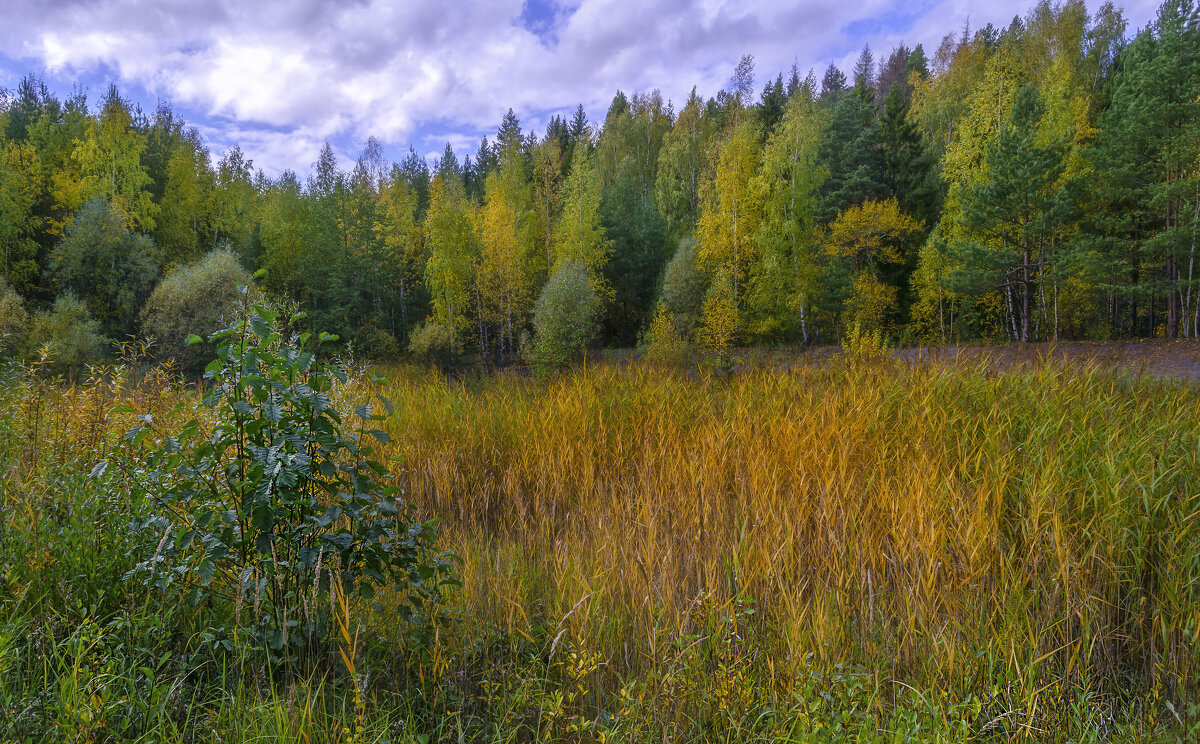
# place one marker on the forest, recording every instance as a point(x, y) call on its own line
point(1034, 182)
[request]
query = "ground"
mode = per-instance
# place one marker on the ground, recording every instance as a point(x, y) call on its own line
point(1178, 358)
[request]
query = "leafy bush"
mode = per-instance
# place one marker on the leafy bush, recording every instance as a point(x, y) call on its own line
point(719, 321)
point(199, 298)
point(435, 343)
point(70, 332)
point(274, 505)
point(684, 287)
point(376, 344)
point(662, 342)
point(13, 318)
point(564, 318)
point(862, 344)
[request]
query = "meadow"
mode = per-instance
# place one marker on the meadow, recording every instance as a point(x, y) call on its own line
point(861, 549)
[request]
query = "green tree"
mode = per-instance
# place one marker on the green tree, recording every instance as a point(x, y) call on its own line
point(853, 154)
point(1018, 210)
point(683, 288)
point(403, 247)
point(184, 223)
point(788, 274)
point(21, 184)
point(450, 237)
point(109, 268)
point(234, 198)
point(69, 332)
point(580, 234)
point(681, 168)
point(564, 319)
point(1145, 157)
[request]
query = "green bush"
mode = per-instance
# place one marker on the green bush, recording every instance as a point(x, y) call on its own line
point(199, 298)
point(564, 318)
point(376, 344)
point(662, 342)
point(684, 288)
point(273, 505)
point(14, 321)
point(71, 334)
point(435, 343)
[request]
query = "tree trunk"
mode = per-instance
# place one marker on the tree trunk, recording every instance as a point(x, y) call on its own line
point(1026, 299)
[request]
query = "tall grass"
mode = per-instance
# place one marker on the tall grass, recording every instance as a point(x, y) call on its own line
point(945, 526)
point(860, 550)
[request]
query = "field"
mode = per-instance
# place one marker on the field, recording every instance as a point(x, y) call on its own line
point(859, 548)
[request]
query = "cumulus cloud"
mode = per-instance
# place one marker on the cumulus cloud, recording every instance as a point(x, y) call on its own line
point(279, 76)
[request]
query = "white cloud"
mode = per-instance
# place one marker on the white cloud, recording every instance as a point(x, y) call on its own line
point(281, 75)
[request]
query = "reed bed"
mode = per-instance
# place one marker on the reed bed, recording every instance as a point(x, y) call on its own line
point(946, 526)
point(859, 550)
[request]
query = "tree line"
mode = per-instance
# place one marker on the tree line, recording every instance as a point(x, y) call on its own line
point(1033, 182)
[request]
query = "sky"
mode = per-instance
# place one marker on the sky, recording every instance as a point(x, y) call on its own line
point(279, 77)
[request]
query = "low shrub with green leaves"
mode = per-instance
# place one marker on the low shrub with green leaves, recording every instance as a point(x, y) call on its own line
point(564, 318)
point(435, 343)
point(13, 318)
point(70, 335)
point(269, 498)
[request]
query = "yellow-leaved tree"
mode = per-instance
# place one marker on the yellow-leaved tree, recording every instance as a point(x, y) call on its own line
point(109, 164)
point(869, 236)
point(730, 218)
point(579, 235)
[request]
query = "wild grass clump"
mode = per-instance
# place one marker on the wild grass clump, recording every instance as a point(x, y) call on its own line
point(860, 551)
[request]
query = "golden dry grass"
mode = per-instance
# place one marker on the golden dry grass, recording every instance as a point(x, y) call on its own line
point(917, 516)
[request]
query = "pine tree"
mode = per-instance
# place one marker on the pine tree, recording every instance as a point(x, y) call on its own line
point(833, 83)
point(1017, 209)
point(1145, 156)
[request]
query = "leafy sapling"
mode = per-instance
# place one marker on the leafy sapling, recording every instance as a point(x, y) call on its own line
point(265, 500)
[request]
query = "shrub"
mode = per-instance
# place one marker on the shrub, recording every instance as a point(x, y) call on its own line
point(719, 322)
point(684, 287)
point(872, 303)
point(564, 318)
point(435, 343)
point(377, 344)
point(13, 319)
point(864, 344)
point(71, 334)
point(198, 298)
point(273, 505)
point(662, 342)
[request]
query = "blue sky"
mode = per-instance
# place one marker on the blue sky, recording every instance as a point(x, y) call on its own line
point(279, 77)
